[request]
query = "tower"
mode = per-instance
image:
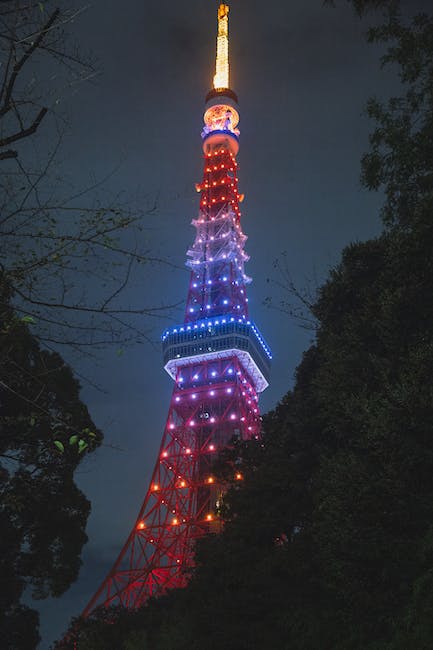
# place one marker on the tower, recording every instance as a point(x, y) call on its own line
point(219, 363)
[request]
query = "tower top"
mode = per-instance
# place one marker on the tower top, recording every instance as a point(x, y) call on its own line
point(221, 79)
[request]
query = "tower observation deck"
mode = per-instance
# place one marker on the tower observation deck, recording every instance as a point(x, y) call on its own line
point(219, 363)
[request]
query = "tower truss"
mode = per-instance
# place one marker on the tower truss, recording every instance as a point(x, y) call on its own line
point(219, 363)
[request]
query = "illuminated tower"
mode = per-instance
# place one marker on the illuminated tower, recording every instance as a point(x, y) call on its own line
point(219, 363)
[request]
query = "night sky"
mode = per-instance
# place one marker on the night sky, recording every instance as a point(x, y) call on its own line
point(303, 74)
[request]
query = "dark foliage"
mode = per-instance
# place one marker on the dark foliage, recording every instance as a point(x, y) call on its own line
point(42, 512)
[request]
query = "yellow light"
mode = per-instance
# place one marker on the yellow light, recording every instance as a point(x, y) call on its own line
point(221, 78)
point(210, 480)
point(209, 517)
point(155, 487)
point(175, 521)
point(141, 525)
point(239, 477)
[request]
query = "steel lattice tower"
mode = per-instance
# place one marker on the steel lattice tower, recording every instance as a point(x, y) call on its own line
point(219, 363)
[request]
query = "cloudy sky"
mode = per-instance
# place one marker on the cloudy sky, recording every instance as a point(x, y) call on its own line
point(303, 74)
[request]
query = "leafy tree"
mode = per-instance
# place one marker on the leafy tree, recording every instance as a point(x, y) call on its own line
point(42, 512)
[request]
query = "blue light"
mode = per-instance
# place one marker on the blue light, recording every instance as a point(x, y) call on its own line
point(211, 323)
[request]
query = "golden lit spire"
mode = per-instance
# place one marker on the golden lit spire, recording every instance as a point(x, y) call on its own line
point(222, 71)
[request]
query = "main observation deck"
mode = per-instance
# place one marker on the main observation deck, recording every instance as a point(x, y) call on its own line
point(218, 338)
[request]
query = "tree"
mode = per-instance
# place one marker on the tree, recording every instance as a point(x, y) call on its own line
point(45, 430)
point(55, 239)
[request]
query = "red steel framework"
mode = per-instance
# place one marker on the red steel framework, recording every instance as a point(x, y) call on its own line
point(219, 363)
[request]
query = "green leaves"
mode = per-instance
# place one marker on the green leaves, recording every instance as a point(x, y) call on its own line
point(82, 446)
point(60, 446)
point(28, 319)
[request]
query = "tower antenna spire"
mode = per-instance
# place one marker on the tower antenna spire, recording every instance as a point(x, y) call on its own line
point(222, 70)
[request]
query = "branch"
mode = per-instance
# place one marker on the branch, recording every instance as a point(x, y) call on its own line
point(19, 65)
point(10, 153)
point(24, 133)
